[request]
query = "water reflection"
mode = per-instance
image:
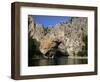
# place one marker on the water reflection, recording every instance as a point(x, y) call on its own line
point(58, 61)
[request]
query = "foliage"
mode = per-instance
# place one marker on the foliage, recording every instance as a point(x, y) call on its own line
point(85, 47)
point(33, 50)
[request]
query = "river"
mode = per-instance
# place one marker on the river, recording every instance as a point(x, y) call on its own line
point(59, 61)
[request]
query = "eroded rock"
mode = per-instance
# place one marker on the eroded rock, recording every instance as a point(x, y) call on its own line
point(70, 35)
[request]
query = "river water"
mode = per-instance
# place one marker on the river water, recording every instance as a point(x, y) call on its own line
point(59, 61)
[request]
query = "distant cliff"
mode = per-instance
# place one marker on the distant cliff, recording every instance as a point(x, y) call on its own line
point(68, 37)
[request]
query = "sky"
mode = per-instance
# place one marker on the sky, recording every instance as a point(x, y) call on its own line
point(49, 20)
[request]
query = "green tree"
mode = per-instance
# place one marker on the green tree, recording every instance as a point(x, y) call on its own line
point(84, 51)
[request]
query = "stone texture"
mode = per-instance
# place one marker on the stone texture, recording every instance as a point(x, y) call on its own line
point(36, 31)
point(68, 33)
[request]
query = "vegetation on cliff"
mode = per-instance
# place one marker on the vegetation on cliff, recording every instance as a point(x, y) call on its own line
point(68, 38)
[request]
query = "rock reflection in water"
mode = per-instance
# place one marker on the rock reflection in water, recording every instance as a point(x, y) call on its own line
point(58, 61)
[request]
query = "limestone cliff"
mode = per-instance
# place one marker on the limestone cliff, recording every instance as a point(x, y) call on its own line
point(36, 31)
point(67, 37)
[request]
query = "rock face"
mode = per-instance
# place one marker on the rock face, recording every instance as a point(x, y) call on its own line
point(36, 30)
point(66, 37)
